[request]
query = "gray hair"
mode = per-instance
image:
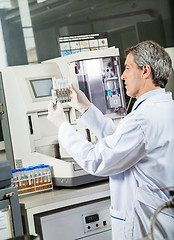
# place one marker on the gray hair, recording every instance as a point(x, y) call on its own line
point(151, 53)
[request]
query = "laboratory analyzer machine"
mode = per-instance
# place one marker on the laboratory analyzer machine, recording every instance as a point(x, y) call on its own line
point(26, 92)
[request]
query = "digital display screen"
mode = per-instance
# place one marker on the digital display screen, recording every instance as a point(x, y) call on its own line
point(41, 87)
point(92, 218)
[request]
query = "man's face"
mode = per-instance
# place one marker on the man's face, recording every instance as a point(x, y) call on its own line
point(132, 76)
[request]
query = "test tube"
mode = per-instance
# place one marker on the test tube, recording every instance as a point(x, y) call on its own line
point(61, 91)
point(29, 176)
point(54, 95)
point(40, 176)
point(14, 179)
point(54, 81)
point(44, 177)
point(48, 173)
point(22, 180)
point(19, 184)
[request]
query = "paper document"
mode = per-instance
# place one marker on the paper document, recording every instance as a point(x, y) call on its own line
point(4, 224)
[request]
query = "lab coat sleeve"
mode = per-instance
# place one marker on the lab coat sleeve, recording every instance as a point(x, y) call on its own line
point(100, 125)
point(112, 154)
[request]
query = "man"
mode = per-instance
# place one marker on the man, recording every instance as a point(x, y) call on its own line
point(138, 154)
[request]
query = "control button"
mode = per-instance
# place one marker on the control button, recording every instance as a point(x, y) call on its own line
point(104, 223)
point(89, 227)
point(96, 224)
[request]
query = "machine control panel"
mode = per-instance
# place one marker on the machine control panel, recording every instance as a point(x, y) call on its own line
point(96, 220)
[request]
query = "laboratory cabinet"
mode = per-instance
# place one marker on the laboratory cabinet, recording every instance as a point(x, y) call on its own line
point(69, 213)
point(10, 217)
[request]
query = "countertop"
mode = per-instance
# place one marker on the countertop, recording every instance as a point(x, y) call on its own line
point(63, 197)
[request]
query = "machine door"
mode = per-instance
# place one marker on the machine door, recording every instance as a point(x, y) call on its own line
point(89, 221)
point(102, 236)
point(100, 80)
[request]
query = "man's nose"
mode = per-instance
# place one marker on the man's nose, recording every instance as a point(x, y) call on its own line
point(123, 77)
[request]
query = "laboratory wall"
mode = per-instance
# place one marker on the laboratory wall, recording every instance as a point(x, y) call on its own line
point(30, 28)
point(126, 22)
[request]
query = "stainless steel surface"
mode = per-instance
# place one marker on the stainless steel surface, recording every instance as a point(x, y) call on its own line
point(93, 72)
point(51, 150)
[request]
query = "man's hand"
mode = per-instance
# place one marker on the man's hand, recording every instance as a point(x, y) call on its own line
point(56, 114)
point(79, 101)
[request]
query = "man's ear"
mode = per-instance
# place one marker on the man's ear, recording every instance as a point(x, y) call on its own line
point(146, 71)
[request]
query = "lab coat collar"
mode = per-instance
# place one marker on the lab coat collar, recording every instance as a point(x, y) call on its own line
point(147, 95)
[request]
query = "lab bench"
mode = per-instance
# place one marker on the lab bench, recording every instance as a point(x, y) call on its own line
point(86, 208)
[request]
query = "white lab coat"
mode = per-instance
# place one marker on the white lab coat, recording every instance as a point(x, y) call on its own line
point(138, 157)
